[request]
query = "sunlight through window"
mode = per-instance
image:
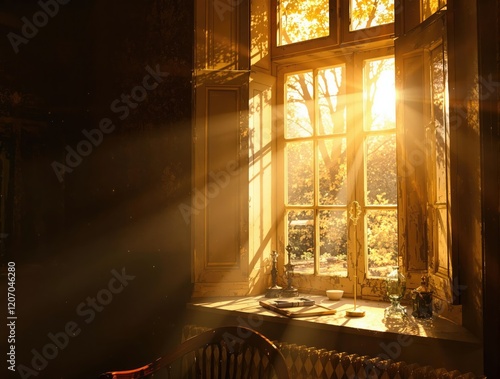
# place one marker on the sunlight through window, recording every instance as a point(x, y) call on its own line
point(300, 20)
point(379, 116)
point(323, 178)
point(316, 167)
point(369, 13)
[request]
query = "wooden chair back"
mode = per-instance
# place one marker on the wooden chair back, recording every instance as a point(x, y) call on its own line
point(231, 352)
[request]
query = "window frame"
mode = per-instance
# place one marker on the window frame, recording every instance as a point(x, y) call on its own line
point(368, 287)
point(299, 47)
point(340, 35)
point(412, 261)
point(374, 33)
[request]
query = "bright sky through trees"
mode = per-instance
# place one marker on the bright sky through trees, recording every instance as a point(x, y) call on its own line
point(300, 20)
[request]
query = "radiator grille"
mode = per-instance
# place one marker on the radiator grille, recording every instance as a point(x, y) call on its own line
point(305, 362)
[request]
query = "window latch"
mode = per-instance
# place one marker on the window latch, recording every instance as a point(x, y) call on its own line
point(354, 212)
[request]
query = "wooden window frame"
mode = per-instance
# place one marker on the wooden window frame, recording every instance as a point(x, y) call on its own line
point(340, 36)
point(368, 287)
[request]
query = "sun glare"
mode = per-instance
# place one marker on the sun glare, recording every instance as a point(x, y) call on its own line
point(379, 94)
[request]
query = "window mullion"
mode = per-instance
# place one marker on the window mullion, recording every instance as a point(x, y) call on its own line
point(357, 247)
point(316, 175)
point(351, 157)
point(361, 175)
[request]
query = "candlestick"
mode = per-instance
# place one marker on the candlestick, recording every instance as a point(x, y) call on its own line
point(274, 290)
point(289, 291)
point(354, 213)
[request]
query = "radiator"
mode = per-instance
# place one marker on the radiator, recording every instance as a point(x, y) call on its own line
point(305, 362)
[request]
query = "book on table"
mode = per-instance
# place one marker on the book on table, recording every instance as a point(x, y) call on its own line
point(297, 307)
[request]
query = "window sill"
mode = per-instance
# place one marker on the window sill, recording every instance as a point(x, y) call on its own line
point(436, 342)
point(372, 322)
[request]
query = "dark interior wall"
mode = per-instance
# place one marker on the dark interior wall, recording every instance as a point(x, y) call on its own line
point(489, 67)
point(465, 162)
point(113, 211)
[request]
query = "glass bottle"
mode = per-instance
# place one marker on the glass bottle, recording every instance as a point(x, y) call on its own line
point(396, 287)
point(422, 300)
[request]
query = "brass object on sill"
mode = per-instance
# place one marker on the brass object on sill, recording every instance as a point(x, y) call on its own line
point(355, 312)
point(355, 212)
point(422, 299)
point(274, 290)
point(290, 290)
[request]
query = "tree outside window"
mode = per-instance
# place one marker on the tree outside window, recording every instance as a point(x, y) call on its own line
point(337, 152)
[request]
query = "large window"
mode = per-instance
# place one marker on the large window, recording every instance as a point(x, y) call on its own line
point(339, 148)
point(338, 140)
point(331, 169)
point(301, 26)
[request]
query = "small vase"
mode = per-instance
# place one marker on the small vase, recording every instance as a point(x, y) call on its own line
point(396, 287)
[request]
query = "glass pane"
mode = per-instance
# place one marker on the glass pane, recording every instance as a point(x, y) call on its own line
point(299, 98)
point(300, 173)
point(301, 239)
point(381, 177)
point(332, 163)
point(438, 111)
point(331, 100)
point(381, 241)
point(429, 7)
point(333, 243)
point(300, 20)
point(442, 238)
point(379, 93)
point(368, 13)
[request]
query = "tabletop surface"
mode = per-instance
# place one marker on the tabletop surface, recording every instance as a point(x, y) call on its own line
point(373, 321)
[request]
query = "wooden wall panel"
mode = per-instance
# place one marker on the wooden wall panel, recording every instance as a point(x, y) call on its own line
point(221, 183)
point(220, 196)
point(220, 153)
point(222, 37)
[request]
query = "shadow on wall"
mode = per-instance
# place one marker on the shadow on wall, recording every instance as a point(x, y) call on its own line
point(105, 304)
point(101, 252)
